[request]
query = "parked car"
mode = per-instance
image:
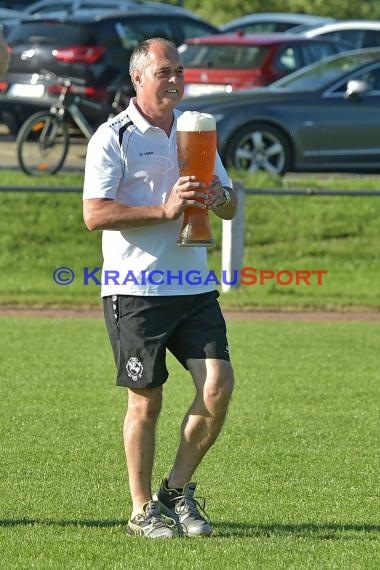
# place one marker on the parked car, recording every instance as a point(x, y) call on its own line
point(95, 48)
point(273, 22)
point(224, 62)
point(43, 7)
point(324, 118)
point(14, 4)
point(355, 33)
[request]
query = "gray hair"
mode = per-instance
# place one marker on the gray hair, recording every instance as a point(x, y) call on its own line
point(140, 55)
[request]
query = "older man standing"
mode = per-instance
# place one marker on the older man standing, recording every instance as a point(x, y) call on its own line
point(134, 194)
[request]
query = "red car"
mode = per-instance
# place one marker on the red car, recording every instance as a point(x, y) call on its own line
point(225, 62)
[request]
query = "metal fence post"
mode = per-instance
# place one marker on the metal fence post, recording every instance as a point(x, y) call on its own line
point(233, 241)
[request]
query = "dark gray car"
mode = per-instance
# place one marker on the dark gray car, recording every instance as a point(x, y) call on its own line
point(325, 117)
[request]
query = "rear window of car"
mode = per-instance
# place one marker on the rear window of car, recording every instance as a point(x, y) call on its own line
point(315, 51)
point(262, 27)
point(222, 56)
point(132, 31)
point(47, 33)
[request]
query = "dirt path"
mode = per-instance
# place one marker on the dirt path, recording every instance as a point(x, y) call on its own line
point(230, 314)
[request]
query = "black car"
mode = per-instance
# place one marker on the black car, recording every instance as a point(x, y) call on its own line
point(323, 118)
point(43, 7)
point(15, 4)
point(93, 47)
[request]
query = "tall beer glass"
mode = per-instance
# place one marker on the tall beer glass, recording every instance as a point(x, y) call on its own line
point(196, 143)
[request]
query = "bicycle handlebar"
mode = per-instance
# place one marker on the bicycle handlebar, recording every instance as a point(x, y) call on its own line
point(65, 81)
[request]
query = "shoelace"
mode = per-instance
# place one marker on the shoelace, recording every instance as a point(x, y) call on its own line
point(162, 521)
point(155, 521)
point(191, 505)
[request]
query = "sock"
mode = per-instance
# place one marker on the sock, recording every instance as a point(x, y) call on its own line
point(166, 486)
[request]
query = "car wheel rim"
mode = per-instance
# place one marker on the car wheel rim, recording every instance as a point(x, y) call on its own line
point(260, 150)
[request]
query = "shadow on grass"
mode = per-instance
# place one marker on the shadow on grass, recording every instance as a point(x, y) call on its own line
point(227, 529)
point(51, 522)
point(315, 529)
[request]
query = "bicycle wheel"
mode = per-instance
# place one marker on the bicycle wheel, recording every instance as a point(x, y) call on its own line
point(42, 144)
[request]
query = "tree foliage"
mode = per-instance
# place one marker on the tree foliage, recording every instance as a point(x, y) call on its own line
point(218, 12)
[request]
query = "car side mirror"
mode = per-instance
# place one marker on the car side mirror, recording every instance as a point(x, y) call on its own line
point(355, 88)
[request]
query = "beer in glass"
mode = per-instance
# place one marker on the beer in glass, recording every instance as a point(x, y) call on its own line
point(196, 143)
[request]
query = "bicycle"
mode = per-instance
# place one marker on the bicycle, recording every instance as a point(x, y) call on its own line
point(44, 138)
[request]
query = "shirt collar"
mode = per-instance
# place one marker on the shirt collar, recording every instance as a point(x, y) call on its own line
point(140, 121)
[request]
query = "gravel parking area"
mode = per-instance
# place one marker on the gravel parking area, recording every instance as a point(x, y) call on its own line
point(8, 153)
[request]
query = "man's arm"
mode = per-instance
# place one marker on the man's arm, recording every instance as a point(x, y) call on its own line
point(107, 214)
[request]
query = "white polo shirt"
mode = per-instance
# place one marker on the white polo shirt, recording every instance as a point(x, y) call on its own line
point(135, 163)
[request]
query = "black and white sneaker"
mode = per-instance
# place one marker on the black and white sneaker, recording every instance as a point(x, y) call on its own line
point(185, 509)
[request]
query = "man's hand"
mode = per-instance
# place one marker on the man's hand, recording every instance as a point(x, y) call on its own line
point(187, 191)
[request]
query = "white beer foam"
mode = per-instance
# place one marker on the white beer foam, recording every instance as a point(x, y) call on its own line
point(196, 121)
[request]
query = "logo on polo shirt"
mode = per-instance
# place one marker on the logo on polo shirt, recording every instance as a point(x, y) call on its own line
point(134, 368)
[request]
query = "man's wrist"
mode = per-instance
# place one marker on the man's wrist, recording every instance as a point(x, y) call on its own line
point(226, 198)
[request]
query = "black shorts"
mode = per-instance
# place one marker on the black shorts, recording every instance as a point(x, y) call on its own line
point(142, 328)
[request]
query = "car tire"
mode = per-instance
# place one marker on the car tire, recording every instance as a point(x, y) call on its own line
point(259, 146)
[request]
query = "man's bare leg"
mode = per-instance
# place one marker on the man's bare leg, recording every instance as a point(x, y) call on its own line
point(139, 442)
point(204, 420)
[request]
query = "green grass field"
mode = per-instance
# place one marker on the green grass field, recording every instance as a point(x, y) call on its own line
point(337, 234)
point(292, 483)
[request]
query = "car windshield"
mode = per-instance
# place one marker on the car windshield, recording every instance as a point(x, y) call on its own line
point(317, 75)
point(222, 56)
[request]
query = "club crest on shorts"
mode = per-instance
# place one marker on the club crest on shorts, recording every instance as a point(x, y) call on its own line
point(134, 368)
